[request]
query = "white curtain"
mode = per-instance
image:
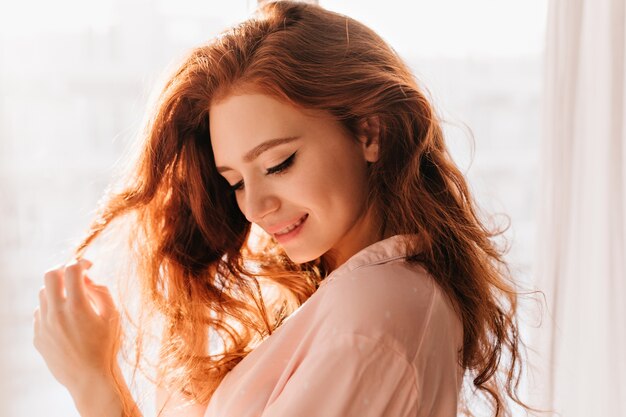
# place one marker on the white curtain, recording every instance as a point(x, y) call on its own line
point(580, 363)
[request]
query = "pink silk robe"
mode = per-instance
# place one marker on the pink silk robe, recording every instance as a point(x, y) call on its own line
point(378, 338)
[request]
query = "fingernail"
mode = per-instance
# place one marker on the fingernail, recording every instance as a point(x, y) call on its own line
point(85, 263)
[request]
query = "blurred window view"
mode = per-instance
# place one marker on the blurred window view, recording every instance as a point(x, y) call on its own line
point(76, 77)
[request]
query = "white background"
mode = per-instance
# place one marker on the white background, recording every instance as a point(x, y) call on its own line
point(75, 77)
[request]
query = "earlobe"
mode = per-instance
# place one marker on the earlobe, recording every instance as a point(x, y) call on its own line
point(370, 138)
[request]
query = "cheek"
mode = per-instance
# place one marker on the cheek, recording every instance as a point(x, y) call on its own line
point(336, 187)
point(348, 174)
point(310, 191)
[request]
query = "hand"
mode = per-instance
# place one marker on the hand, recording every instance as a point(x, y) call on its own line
point(77, 328)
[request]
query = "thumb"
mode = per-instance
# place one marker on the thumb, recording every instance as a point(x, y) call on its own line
point(101, 299)
point(74, 281)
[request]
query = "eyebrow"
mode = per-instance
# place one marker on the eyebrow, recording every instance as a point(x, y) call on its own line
point(255, 152)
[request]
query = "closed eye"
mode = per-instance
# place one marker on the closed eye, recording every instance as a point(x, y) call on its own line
point(283, 165)
point(270, 171)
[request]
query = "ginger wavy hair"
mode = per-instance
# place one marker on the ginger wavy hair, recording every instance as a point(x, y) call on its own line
point(190, 241)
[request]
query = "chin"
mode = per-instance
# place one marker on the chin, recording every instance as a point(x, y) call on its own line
point(301, 257)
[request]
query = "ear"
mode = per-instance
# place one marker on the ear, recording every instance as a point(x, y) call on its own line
point(369, 136)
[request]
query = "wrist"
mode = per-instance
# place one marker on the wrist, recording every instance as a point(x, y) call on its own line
point(99, 399)
point(100, 395)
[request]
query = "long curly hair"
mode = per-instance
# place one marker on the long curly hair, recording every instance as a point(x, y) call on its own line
point(191, 245)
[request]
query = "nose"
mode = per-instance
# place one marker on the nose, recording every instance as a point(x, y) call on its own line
point(257, 202)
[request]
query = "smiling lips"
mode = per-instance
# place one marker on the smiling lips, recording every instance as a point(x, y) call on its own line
point(292, 227)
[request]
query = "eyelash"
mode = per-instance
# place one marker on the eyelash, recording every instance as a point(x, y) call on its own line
point(278, 169)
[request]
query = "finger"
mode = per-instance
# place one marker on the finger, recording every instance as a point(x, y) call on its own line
point(89, 287)
point(102, 299)
point(36, 323)
point(75, 283)
point(43, 302)
point(85, 263)
point(55, 296)
point(36, 318)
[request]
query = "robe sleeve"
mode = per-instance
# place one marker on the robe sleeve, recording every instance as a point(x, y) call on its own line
point(350, 375)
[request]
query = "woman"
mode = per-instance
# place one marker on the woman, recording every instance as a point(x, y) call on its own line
point(305, 124)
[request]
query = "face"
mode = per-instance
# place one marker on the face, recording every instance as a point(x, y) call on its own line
point(299, 175)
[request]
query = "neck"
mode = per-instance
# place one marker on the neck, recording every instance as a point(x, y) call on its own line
point(368, 230)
